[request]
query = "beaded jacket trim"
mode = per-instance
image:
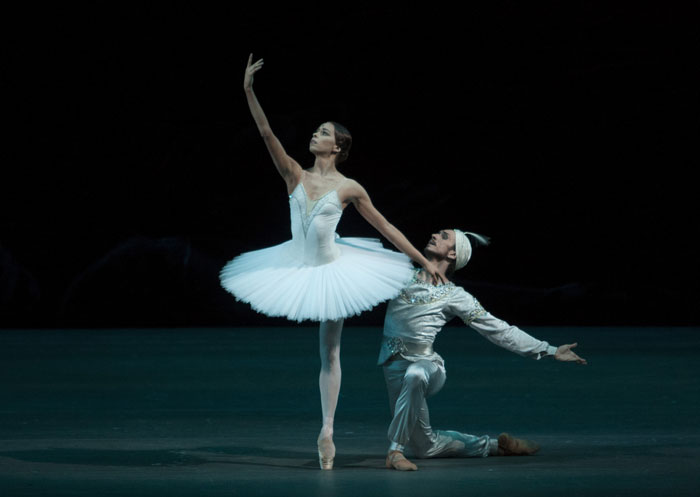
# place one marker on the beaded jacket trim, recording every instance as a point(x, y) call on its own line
point(433, 292)
point(396, 345)
point(475, 313)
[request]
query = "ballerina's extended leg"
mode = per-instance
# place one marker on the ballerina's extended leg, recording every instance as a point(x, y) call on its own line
point(329, 384)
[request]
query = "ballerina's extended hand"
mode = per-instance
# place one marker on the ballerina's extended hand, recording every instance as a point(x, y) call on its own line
point(436, 276)
point(250, 70)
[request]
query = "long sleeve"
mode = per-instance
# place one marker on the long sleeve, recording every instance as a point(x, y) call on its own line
point(497, 331)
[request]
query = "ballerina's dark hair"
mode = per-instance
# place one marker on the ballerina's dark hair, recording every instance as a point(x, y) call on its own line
point(343, 140)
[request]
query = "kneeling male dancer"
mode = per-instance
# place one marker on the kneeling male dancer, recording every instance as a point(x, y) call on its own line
point(414, 372)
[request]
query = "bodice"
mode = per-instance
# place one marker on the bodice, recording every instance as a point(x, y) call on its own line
point(313, 230)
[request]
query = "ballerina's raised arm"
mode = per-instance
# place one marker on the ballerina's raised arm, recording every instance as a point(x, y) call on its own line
point(289, 169)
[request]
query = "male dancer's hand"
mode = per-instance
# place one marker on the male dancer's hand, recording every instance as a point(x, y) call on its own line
point(564, 353)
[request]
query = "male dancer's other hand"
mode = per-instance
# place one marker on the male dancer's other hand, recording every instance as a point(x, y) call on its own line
point(564, 353)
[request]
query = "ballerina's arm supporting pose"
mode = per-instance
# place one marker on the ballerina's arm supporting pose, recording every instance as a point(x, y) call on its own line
point(360, 199)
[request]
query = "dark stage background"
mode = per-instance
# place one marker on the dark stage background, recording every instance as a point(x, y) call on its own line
point(132, 170)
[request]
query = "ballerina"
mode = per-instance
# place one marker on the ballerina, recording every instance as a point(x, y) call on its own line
point(317, 275)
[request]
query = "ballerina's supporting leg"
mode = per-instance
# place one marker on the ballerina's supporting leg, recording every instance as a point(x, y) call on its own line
point(329, 384)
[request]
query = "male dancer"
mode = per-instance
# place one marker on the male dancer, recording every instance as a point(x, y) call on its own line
point(413, 371)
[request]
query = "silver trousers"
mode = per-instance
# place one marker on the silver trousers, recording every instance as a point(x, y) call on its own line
point(409, 385)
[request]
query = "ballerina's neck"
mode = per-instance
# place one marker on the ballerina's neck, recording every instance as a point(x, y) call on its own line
point(323, 166)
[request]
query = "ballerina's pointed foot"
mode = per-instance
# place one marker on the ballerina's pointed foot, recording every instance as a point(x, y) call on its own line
point(326, 452)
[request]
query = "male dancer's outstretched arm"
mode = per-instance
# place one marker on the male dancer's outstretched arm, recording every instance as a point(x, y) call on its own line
point(509, 337)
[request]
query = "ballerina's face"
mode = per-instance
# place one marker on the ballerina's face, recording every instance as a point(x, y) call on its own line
point(323, 140)
point(442, 244)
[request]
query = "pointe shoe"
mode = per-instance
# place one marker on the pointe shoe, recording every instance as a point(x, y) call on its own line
point(396, 460)
point(326, 452)
point(511, 446)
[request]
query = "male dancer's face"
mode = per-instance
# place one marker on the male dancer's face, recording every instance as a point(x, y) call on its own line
point(441, 245)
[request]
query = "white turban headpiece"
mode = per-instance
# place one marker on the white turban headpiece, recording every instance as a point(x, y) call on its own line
point(463, 246)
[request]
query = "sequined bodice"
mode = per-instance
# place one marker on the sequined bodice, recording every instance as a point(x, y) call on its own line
point(313, 233)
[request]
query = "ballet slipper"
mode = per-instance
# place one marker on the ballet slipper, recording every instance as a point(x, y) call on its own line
point(326, 452)
point(511, 446)
point(396, 460)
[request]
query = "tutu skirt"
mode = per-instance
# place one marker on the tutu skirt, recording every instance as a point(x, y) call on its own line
point(276, 283)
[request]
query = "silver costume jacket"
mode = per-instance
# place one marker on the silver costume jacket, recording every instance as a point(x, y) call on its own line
point(416, 316)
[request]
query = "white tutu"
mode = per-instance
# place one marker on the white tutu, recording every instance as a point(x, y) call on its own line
point(275, 284)
point(317, 276)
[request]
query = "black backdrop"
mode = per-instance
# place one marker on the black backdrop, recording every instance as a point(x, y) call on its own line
point(132, 169)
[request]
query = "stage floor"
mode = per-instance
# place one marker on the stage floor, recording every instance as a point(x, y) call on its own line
point(199, 412)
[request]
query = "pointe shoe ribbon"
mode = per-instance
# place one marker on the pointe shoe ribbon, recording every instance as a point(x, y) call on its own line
point(396, 460)
point(511, 446)
point(326, 452)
